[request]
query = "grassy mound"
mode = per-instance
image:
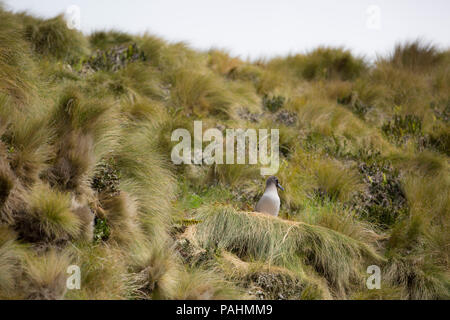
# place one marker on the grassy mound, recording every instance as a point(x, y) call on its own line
point(254, 236)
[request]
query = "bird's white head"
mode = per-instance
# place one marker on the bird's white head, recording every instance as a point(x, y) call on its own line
point(273, 181)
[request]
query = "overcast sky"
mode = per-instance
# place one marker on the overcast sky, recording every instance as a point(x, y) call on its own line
point(264, 28)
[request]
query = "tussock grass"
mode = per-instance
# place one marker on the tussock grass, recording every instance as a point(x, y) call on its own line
point(324, 63)
point(339, 218)
point(49, 215)
point(104, 39)
point(335, 182)
point(121, 215)
point(28, 139)
point(330, 63)
point(416, 55)
point(140, 110)
point(200, 93)
point(272, 282)
point(153, 47)
point(170, 57)
point(16, 67)
point(333, 255)
point(11, 258)
point(156, 268)
point(231, 175)
point(46, 275)
point(85, 133)
point(53, 37)
point(421, 278)
point(12, 191)
point(222, 63)
point(104, 274)
point(137, 78)
point(145, 175)
point(197, 284)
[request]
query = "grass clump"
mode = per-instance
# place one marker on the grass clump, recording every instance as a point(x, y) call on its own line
point(200, 94)
point(46, 275)
point(416, 56)
point(261, 281)
point(52, 37)
point(335, 256)
point(335, 183)
point(104, 274)
point(11, 259)
point(326, 63)
point(105, 39)
point(50, 216)
point(16, 66)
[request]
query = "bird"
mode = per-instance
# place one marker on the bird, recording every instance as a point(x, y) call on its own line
point(270, 201)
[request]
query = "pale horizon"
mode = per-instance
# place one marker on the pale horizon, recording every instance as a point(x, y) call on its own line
point(263, 29)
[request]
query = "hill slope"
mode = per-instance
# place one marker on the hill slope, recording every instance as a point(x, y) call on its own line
point(86, 177)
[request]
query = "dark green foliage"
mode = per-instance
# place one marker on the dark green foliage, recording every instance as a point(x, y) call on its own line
point(357, 106)
point(105, 39)
point(274, 103)
point(401, 128)
point(276, 286)
point(114, 59)
point(440, 141)
point(340, 148)
point(107, 178)
point(444, 114)
point(101, 230)
point(286, 117)
point(384, 198)
point(6, 185)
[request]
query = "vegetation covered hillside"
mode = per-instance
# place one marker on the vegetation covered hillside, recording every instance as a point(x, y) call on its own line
point(86, 176)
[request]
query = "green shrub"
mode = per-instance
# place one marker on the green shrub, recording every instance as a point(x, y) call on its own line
point(357, 106)
point(114, 58)
point(383, 200)
point(106, 178)
point(401, 128)
point(274, 103)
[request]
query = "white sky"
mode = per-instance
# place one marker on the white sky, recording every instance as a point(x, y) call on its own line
point(263, 28)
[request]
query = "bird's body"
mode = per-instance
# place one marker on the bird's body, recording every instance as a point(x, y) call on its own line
point(270, 201)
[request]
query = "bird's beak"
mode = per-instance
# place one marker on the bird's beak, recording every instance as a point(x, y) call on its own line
point(279, 186)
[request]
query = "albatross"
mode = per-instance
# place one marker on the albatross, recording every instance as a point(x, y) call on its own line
point(270, 201)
